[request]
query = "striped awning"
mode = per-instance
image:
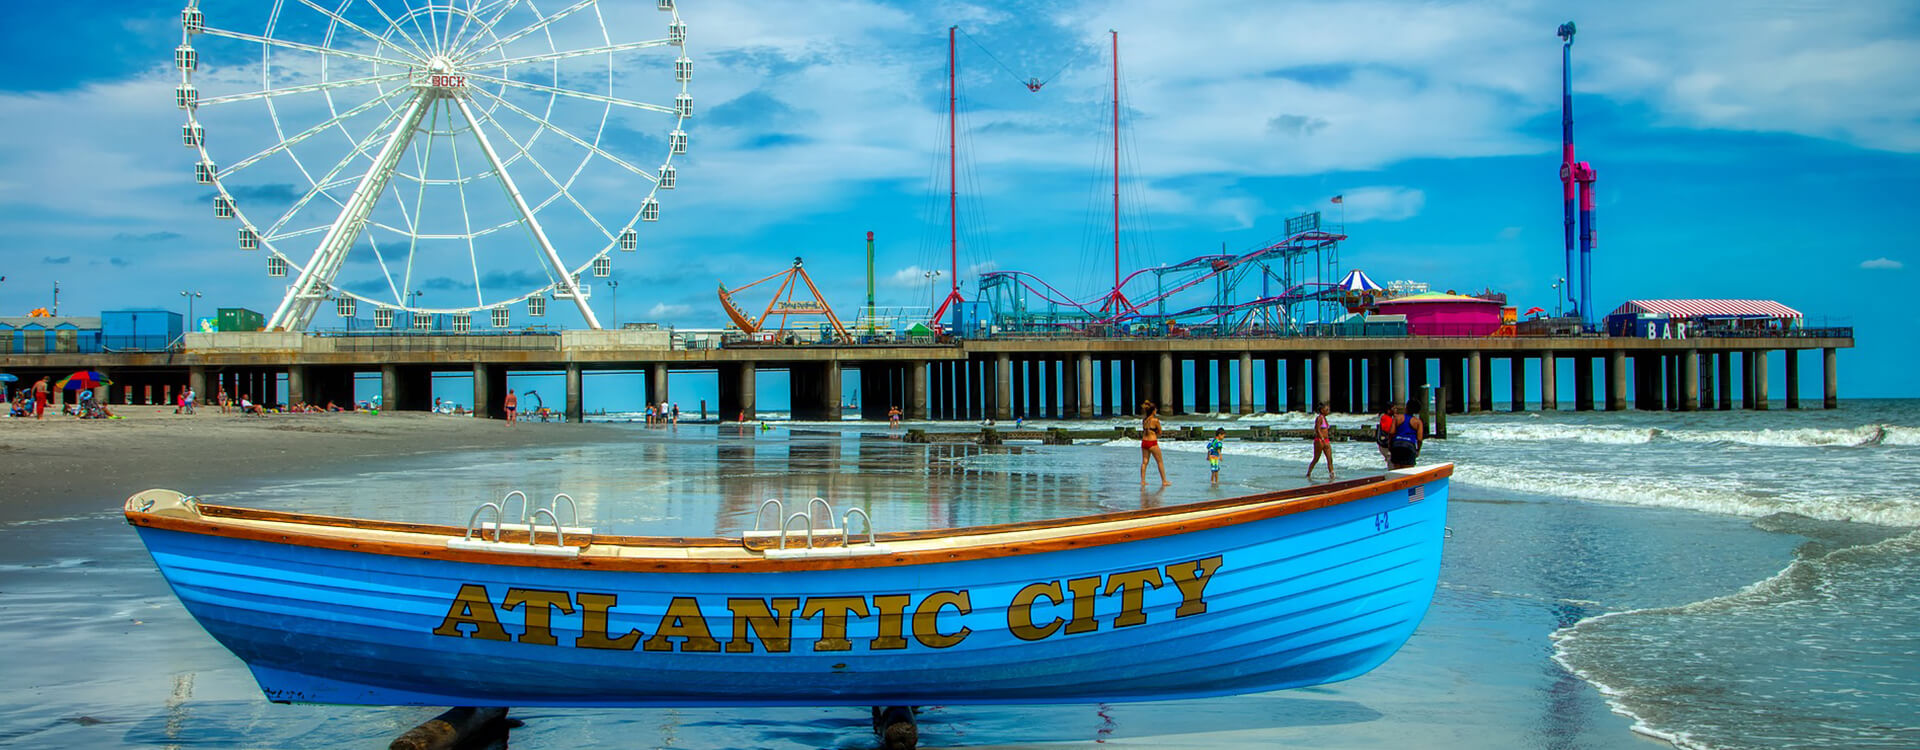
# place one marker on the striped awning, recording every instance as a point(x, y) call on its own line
point(1709, 308)
point(1358, 282)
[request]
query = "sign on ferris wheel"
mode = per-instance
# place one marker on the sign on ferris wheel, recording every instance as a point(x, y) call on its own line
point(435, 157)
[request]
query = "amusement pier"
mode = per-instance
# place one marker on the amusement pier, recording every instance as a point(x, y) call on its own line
point(1284, 325)
point(1001, 377)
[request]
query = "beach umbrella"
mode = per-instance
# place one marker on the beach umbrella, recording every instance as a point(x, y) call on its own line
point(1536, 310)
point(1356, 281)
point(5, 378)
point(84, 380)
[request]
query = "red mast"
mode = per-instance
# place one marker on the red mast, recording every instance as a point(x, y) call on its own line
point(1115, 301)
point(953, 169)
point(953, 187)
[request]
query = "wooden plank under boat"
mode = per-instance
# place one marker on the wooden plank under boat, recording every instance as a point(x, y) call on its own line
point(1264, 592)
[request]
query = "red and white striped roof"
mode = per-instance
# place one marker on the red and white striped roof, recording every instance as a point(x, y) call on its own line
point(1709, 308)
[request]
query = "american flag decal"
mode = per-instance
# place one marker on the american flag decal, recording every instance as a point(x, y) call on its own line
point(1417, 494)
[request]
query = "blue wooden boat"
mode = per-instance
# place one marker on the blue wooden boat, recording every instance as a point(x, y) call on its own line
point(1269, 591)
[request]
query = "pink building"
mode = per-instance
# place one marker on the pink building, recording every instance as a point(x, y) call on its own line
point(1437, 314)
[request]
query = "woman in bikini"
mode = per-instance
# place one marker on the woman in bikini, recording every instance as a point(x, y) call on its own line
point(1322, 441)
point(1150, 444)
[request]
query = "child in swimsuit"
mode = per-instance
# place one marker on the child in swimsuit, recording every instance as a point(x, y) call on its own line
point(1214, 447)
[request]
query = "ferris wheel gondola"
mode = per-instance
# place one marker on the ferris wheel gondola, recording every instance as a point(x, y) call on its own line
point(443, 146)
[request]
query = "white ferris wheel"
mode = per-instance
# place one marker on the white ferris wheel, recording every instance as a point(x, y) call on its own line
point(434, 159)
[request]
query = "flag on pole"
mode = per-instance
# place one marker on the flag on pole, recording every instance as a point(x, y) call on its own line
point(1339, 198)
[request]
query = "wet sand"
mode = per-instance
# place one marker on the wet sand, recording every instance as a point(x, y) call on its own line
point(62, 466)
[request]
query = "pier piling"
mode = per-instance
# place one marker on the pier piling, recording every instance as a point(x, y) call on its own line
point(1830, 364)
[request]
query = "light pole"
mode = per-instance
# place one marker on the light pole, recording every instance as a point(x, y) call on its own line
point(191, 296)
point(613, 291)
point(1558, 298)
point(931, 303)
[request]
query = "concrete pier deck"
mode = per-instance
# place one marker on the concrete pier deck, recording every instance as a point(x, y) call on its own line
point(1000, 378)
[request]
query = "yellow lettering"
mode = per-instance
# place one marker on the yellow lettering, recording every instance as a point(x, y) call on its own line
point(1132, 586)
point(891, 610)
point(926, 619)
point(833, 624)
point(1020, 611)
point(473, 607)
point(593, 624)
point(1083, 591)
point(540, 606)
point(683, 620)
point(1192, 578)
point(772, 625)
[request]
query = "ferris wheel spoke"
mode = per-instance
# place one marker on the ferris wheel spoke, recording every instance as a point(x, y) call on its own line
point(466, 219)
point(318, 50)
point(415, 43)
point(425, 163)
point(505, 7)
point(562, 189)
point(337, 18)
point(575, 94)
point(577, 140)
point(608, 49)
point(327, 182)
point(533, 27)
point(308, 88)
point(565, 280)
point(305, 134)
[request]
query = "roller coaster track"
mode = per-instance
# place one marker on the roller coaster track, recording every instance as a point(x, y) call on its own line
point(1208, 267)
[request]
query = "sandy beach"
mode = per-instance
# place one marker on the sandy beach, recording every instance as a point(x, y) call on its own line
point(76, 465)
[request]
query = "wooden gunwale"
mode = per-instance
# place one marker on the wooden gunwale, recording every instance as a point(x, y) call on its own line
point(1258, 507)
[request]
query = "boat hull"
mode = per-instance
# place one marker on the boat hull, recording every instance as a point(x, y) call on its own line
point(1305, 598)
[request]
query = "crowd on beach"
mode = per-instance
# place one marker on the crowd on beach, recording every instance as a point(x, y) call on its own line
point(36, 400)
point(1397, 435)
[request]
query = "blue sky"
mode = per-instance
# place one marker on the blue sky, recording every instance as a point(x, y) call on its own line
point(1745, 149)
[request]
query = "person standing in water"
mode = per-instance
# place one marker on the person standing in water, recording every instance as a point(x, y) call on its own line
point(1322, 441)
point(1150, 444)
point(1214, 446)
point(1383, 432)
point(1404, 446)
point(512, 407)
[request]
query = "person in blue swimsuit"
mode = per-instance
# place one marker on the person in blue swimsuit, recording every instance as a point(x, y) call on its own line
point(1214, 447)
point(1404, 446)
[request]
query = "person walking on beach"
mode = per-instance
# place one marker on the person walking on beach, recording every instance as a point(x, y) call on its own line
point(1405, 444)
point(193, 399)
point(1150, 443)
point(1214, 446)
point(893, 417)
point(511, 407)
point(220, 395)
point(1322, 440)
point(1383, 432)
point(40, 399)
point(676, 415)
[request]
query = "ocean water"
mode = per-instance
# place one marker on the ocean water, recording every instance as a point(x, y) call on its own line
point(1715, 580)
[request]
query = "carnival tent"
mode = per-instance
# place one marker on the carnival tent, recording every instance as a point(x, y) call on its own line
point(1357, 281)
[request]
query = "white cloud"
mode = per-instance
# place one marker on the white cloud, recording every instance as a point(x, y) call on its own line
point(1382, 203)
point(911, 277)
point(1510, 233)
point(1886, 264)
point(665, 310)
